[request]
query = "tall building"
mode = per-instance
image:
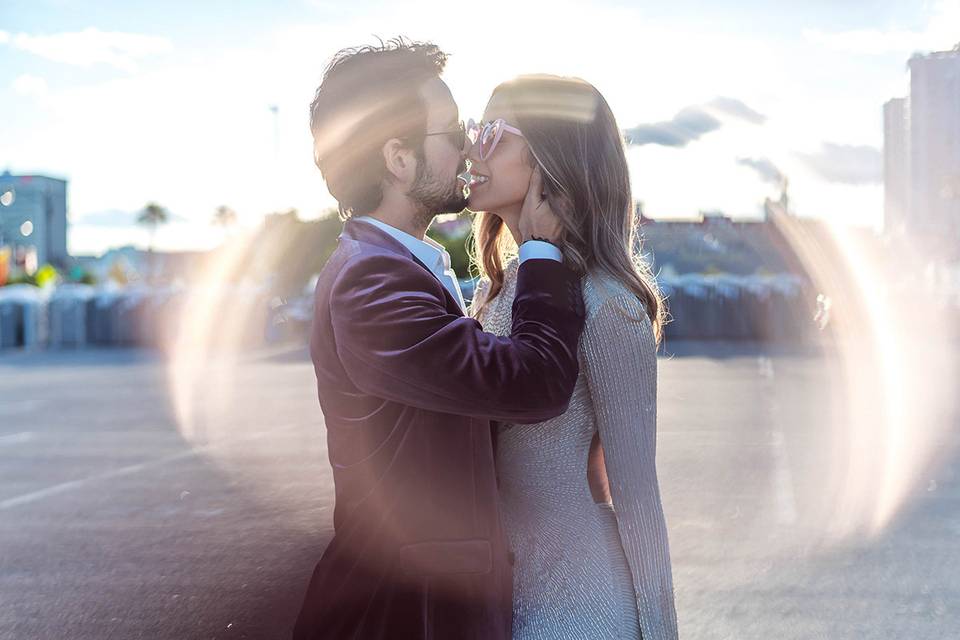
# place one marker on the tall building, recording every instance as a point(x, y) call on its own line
point(935, 145)
point(896, 164)
point(33, 217)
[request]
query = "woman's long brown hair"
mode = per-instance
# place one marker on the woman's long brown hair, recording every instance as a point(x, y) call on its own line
point(574, 137)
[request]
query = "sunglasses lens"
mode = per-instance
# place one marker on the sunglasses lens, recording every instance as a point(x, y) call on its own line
point(488, 139)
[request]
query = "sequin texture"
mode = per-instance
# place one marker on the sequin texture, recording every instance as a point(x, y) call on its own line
point(586, 570)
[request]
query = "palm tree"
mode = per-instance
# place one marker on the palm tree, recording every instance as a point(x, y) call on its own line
point(152, 216)
point(225, 218)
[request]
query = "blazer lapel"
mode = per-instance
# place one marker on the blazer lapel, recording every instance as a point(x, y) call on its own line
point(363, 232)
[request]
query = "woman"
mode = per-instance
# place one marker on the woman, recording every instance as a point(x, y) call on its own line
point(579, 494)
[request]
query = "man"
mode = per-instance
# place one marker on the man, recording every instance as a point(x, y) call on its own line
point(406, 382)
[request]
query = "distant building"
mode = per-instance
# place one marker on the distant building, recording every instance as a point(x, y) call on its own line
point(896, 164)
point(935, 145)
point(134, 263)
point(713, 243)
point(33, 218)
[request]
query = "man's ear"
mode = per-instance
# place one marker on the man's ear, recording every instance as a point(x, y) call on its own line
point(400, 161)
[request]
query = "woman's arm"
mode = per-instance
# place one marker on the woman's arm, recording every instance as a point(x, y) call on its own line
point(621, 367)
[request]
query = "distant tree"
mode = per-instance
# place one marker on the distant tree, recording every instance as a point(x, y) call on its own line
point(455, 235)
point(118, 272)
point(46, 275)
point(225, 217)
point(289, 251)
point(151, 217)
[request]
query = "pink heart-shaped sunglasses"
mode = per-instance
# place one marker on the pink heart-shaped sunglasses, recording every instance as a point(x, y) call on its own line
point(485, 137)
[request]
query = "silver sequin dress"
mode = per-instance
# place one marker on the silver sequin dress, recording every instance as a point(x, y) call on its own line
point(586, 570)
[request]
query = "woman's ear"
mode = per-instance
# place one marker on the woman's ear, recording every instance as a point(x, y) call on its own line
point(399, 160)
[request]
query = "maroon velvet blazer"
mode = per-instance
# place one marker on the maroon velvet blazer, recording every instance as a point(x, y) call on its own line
point(408, 387)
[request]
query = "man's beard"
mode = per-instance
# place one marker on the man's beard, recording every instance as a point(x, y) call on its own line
point(432, 197)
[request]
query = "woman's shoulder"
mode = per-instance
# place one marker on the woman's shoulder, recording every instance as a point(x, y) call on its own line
point(480, 290)
point(504, 295)
point(511, 266)
point(510, 270)
point(601, 289)
point(603, 292)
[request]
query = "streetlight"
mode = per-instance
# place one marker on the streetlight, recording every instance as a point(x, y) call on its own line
point(7, 196)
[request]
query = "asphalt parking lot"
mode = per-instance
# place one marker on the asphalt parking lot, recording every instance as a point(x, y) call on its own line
point(117, 521)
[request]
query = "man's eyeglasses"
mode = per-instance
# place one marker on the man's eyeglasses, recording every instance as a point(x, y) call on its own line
point(487, 136)
point(457, 137)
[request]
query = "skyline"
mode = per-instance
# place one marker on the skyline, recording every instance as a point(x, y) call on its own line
point(131, 106)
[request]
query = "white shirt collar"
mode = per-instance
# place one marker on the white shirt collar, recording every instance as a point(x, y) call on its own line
point(428, 251)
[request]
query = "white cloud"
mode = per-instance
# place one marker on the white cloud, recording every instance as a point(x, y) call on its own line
point(30, 85)
point(91, 47)
point(4, 37)
point(868, 41)
point(846, 164)
point(940, 33)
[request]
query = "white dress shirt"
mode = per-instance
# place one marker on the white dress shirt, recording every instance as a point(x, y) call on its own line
point(435, 257)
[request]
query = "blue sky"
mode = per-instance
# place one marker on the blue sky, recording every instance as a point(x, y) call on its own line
point(170, 101)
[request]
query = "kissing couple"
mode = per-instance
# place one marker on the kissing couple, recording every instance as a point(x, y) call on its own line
point(494, 466)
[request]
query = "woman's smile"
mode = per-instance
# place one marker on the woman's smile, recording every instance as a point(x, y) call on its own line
point(477, 180)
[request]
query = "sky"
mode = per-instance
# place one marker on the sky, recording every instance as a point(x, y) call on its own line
point(171, 102)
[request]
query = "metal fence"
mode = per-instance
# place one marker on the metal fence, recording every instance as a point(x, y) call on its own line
point(772, 308)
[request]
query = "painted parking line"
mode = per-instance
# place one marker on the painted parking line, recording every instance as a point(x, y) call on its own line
point(786, 501)
point(64, 487)
point(16, 438)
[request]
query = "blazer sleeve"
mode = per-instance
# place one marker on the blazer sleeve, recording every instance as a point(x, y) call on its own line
point(397, 341)
point(621, 367)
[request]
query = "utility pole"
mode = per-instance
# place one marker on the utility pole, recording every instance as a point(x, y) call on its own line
point(275, 179)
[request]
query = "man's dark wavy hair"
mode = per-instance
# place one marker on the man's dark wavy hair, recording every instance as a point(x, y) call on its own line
point(369, 95)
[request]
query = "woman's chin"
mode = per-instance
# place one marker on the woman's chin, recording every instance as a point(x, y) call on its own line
point(480, 200)
point(475, 203)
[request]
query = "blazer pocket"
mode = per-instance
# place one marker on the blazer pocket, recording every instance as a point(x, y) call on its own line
point(447, 557)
